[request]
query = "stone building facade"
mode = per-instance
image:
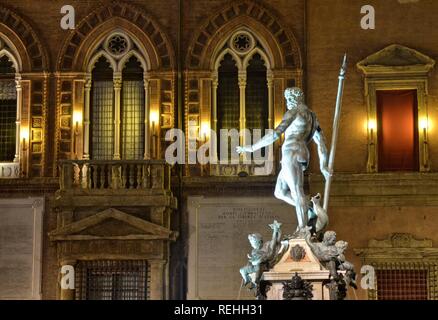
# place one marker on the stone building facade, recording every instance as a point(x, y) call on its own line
point(82, 172)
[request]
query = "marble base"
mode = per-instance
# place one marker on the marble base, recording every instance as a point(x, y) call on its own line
point(300, 260)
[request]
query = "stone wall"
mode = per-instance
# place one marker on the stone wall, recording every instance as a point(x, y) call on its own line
point(411, 25)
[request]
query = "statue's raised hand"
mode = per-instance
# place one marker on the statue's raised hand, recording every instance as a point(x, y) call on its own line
point(244, 149)
point(275, 225)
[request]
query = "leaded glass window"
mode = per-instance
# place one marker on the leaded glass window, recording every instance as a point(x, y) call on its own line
point(133, 103)
point(228, 108)
point(8, 110)
point(256, 106)
point(102, 107)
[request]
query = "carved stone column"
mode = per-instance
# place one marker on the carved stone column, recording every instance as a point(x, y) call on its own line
point(18, 121)
point(117, 90)
point(242, 89)
point(147, 136)
point(87, 117)
point(157, 287)
point(270, 83)
point(215, 84)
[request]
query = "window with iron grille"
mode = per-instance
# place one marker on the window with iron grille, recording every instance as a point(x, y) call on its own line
point(402, 284)
point(102, 110)
point(133, 103)
point(8, 110)
point(112, 280)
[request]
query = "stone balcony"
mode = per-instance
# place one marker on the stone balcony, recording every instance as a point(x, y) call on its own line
point(114, 183)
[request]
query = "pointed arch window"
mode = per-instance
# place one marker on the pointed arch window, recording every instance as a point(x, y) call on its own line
point(116, 104)
point(10, 112)
point(102, 111)
point(257, 104)
point(133, 100)
point(242, 90)
point(228, 94)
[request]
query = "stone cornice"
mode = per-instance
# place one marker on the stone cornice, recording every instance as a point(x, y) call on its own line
point(380, 189)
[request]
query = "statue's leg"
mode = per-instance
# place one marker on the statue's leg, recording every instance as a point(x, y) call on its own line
point(245, 271)
point(282, 191)
point(294, 176)
point(258, 274)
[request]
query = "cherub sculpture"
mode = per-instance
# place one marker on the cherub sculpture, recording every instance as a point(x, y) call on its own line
point(326, 250)
point(331, 254)
point(262, 257)
point(344, 265)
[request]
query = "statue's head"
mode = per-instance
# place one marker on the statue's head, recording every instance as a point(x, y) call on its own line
point(294, 97)
point(329, 238)
point(256, 240)
point(341, 246)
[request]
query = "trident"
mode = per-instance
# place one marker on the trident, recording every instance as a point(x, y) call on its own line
point(335, 131)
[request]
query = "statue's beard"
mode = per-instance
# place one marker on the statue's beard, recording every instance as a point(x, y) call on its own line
point(292, 105)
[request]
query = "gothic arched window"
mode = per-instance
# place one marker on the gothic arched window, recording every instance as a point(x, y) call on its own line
point(243, 90)
point(102, 111)
point(257, 104)
point(8, 110)
point(228, 114)
point(116, 99)
point(133, 99)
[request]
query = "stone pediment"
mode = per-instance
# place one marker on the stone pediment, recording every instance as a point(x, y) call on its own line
point(112, 224)
point(396, 58)
point(297, 258)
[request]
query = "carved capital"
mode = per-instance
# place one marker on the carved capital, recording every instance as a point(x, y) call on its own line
point(88, 81)
point(117, 80)
point(242, 79)
point(215, 83)
point(18, 82)
point(270, 78)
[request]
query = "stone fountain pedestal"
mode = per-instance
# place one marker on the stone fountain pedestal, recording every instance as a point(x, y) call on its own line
point(297, 259)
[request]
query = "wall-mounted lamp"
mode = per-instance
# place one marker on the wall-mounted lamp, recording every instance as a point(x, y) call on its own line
point(77, 121)
point(24, 134)
point(424, 125)
point(204, 132)
point(154, 118)
point(372, 128)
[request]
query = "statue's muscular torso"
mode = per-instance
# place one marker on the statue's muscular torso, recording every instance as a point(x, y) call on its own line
point(298, 125)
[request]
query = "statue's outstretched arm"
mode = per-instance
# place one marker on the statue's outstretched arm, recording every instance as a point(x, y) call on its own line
point(276, 235)
point(319, 139)
point(270, 138)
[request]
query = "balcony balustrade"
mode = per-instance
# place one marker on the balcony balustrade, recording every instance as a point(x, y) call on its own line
point(89, 175)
